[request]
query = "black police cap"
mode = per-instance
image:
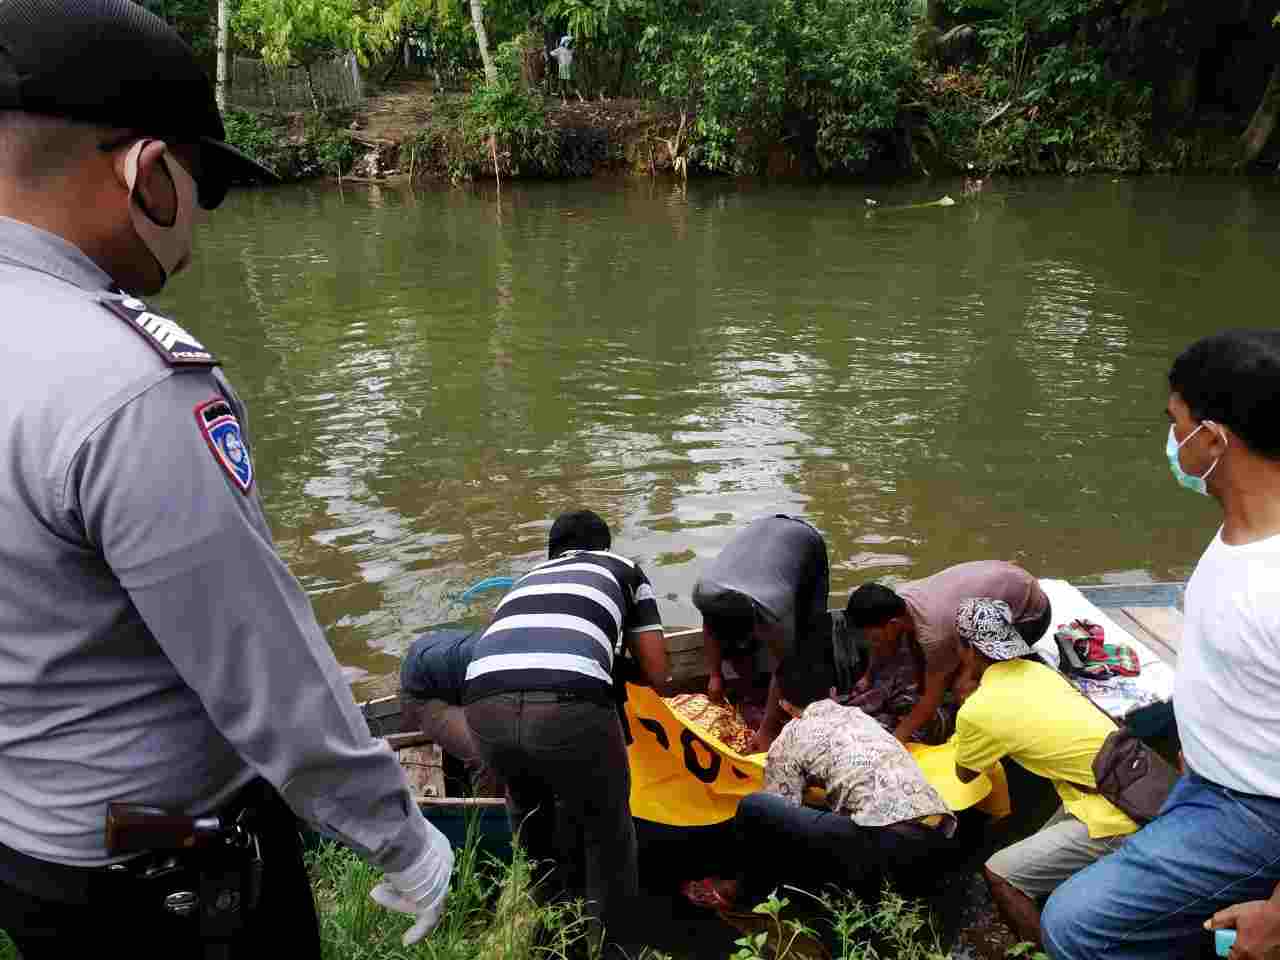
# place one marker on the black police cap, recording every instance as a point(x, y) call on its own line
point(115, 64)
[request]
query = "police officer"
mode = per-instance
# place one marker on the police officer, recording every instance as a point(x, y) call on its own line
point(154, 648)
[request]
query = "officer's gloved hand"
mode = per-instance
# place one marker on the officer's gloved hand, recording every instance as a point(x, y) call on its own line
point(421, 890)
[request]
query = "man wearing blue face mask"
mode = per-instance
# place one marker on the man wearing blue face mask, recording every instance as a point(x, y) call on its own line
point(1212, 858)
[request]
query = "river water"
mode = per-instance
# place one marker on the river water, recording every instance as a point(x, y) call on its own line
point(433, 375)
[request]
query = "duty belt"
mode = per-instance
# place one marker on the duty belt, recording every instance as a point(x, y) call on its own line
point(218, 882)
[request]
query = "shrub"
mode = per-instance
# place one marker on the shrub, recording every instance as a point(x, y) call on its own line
point(740, 69)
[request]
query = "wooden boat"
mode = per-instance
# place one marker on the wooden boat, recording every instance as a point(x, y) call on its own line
point(1151, 612)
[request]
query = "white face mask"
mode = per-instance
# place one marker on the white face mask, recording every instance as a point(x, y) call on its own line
point(170, 245)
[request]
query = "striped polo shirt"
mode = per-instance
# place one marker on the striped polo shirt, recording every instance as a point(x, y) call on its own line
point(560, 626)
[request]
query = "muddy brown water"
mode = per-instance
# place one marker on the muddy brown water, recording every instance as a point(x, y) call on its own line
point(433, 375)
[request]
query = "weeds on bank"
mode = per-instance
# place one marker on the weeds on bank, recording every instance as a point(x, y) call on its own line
point(491, 912)
point(892, 927)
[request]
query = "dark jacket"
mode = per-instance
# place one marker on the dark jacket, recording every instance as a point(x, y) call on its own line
point(435, 668)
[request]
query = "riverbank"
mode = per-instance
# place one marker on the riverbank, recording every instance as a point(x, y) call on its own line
point(951, 122)
point(496, 911)
point(408, 131)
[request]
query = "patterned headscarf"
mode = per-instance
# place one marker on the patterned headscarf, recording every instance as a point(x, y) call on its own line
point(988, 625)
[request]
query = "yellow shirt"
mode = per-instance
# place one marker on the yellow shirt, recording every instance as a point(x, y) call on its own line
point(1028, 712)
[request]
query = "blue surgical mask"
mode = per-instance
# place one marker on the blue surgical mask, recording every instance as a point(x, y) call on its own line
point(1190, 481)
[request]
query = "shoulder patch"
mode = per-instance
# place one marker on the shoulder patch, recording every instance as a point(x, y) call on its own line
point(175, 346)
point(221, 431)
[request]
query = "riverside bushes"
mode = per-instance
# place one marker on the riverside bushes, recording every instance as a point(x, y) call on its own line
point(294, 148)
point(752, 73)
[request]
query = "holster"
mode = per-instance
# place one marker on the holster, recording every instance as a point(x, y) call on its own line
point(211, 890)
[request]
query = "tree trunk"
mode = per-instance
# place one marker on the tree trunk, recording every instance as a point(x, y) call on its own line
point(221, 86)
point(402, 50)
point(311, 88)
point(482, 40)
point(1255, 138)
point(1184, 87)
point(622, 70)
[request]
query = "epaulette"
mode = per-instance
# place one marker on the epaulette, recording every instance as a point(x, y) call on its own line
point(177, 347)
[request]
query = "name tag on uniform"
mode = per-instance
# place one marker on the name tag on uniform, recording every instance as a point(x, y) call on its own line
point(177, 347)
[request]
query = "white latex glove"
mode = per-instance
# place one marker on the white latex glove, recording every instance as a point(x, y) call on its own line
point(422, 889)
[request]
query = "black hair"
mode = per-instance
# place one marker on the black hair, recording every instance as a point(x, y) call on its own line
point(733, 628)
point(578, 530)
point(803, 681)
point(873, 604)
point(1232, 378)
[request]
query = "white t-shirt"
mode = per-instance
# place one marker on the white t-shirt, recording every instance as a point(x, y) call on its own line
point(1227, 691)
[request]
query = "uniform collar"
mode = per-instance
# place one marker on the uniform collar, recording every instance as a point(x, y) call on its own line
point(39, 250)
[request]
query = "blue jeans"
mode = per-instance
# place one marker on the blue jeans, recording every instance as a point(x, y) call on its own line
point(1210, 847)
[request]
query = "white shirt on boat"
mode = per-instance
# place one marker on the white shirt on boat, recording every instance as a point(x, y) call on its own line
point(1227, 691)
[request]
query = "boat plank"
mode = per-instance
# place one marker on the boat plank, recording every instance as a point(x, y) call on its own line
point(1143, 635)
point(681, 640)
point(1134, 594)
point(444, 802)
point(685, 665)
point(1164, 622)
point(424, 767)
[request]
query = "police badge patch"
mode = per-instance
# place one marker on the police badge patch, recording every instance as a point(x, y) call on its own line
point(221, 431)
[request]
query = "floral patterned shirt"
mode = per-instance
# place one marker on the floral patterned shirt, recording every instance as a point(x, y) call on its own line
point(866, 772)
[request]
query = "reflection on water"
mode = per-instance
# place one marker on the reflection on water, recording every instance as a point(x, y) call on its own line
point(432, 376)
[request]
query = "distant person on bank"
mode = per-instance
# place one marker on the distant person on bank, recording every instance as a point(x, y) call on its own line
point(880, 814)
point(763, 598)
point(920, 616)
point(540, 703)
point(1213, 856)
point(1028, 712)
point(432, 676)
point(563, 56)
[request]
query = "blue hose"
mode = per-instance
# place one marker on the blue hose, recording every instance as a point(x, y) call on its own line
point(489, 583)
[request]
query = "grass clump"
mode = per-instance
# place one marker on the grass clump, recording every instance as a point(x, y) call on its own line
point(492, 911)
point(892, 927)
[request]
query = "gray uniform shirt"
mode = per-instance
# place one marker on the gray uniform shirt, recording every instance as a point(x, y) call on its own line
point(153, 646)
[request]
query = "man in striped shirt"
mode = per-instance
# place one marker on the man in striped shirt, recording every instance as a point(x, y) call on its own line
point(540, 700)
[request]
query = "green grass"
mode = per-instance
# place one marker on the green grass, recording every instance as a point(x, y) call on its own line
point(492, 913)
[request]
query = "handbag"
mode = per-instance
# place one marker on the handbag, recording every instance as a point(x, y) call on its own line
point(1129, 773)
point(1133, 776)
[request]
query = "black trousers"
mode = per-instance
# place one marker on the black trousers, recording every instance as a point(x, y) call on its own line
point(568, 792)
point(779, 844)
point(126, 914)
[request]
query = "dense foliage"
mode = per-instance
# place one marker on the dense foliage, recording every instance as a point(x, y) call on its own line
point(840, 86)
point(762, 65)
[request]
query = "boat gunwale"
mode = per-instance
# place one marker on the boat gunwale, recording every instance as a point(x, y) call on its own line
point(1106, 596)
